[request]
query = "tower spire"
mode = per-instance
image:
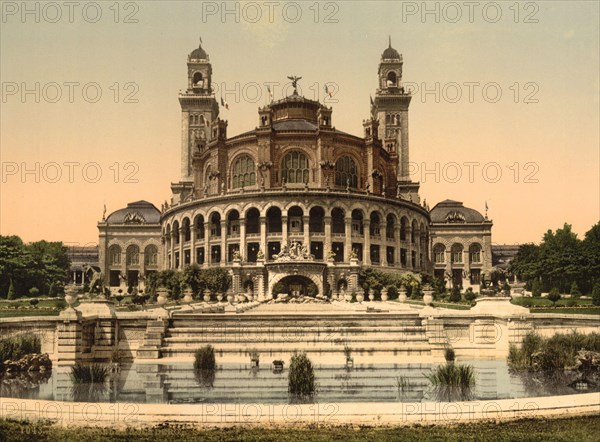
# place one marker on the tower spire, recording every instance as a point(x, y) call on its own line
point(389, 39)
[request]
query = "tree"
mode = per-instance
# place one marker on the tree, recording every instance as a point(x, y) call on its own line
point(591, 257)
point(596, 294)
point(192, 276)
point(554, 295)
point(11, 291)
point(536, 288)
point(215, 279)
point(33, 292)
point(575, 289)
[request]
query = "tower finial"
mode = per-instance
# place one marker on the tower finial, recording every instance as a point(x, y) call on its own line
point(390, 40)
point(200, 42)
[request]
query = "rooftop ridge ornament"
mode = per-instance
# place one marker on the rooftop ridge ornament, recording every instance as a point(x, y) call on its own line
point(295, 80)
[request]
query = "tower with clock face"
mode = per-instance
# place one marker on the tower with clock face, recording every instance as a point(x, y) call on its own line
point(199, 109)
point(391, 110)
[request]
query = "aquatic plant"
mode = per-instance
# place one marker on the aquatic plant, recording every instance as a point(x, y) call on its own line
point(301, 377)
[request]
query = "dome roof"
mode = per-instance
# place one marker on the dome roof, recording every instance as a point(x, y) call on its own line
point(139, 212)
point(389, 53)
point(449, 211)
point(199, 54)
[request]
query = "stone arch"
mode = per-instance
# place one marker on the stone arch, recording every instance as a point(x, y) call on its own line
point(318, 281)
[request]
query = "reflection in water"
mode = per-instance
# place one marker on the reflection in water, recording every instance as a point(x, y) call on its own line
point(237, 383)
point(24, 385)
point(205, 377)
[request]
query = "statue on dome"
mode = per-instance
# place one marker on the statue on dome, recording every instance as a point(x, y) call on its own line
point(295, 80)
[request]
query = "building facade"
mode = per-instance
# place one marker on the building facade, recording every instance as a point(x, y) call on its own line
point(294, 201)
point(461, 242)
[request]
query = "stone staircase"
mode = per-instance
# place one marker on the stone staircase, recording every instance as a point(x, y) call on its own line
point(390, 337)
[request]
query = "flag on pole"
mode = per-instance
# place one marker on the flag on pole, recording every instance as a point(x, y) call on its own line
point(328, 92)
point(224, 104)
point(270, 93)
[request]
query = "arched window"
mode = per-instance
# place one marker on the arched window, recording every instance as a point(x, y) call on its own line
point(295, 168)
point(151, 255)
point(244, 172)
point(345, 172)
point(457, 253)
point(475, 253)
point(439, 254)
point(114, 255)
point(133, 255)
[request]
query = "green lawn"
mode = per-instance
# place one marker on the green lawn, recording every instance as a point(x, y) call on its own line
point(571, 429)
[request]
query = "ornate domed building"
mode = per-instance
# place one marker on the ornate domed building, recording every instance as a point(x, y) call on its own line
point(293, 201)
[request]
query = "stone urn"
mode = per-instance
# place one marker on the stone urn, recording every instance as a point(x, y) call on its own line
point(241, 298)
point(71, 296)
point(219, 297)
point(384, 295)
point(348, 297)
point(427, 295)
point(230, 298)
point(206, 295)
point(360, 297)
point(402, 295)
point(161, 298)
point(187, 295)
point(371, 295)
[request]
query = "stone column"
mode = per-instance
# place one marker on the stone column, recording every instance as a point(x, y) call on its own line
point(367, 242)
point(284, 230)
point(383, 245)
point(181, 240)
point(348, 242)
point(327, 245)
point(409, 249)
point(192, 244)
point(243, 238)
point(223, 241)
point(398, 258)
point(173, 235)
point(263, 236)
point(207, 255)
point(306, 226)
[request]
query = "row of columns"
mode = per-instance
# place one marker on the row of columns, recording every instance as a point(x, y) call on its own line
point(366, 237)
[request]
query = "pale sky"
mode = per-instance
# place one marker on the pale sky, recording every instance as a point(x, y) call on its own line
point(541, 134)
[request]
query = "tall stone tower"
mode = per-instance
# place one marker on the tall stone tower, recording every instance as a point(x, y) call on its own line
point(198, 109)
point(390, 107)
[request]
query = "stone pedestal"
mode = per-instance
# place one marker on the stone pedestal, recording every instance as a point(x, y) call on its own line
point(69, 341)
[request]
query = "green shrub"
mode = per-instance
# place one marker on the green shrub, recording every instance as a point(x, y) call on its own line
point(470, 295)
point(551, 354)
point(34, 302)
point(454, 295)
point(301, 377)
point(15, 347)
point(506, 288)
point(536, 288)
point(554, 295)
point(574, 291)
point(34, 291)
point(89, 374)
point(204, 358)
